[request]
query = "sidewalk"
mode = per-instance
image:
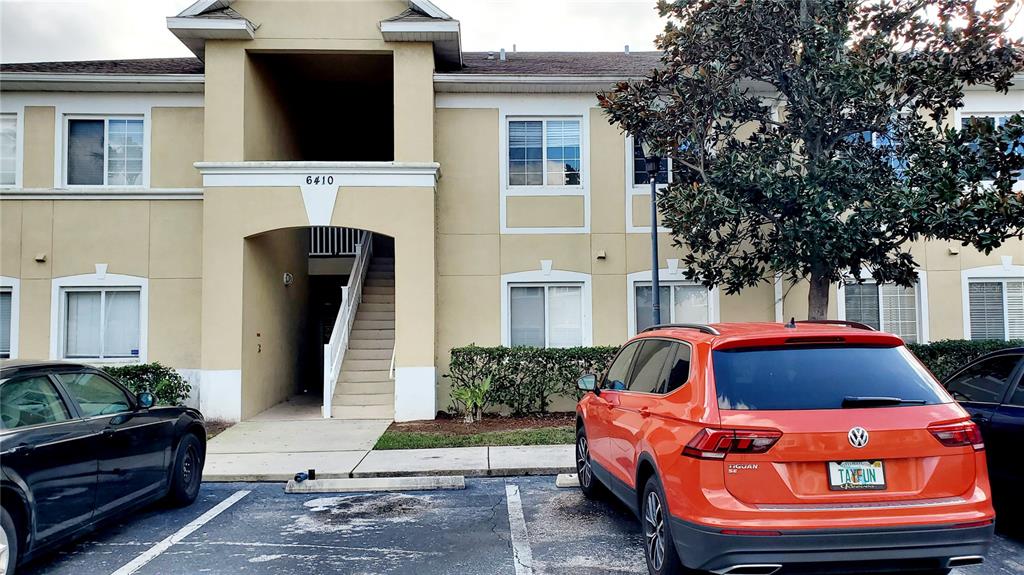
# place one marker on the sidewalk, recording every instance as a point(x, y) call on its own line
point(464, 461)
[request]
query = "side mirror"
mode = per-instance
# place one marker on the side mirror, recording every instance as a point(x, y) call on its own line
point(588, 383)
point(145, 399)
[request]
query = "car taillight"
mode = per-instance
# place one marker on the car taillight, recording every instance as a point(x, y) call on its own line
point(958, 435)
point(717, 443)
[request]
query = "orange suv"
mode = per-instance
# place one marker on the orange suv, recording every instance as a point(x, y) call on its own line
point(756, 448)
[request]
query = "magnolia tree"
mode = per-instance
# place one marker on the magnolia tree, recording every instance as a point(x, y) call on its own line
point(816, 139)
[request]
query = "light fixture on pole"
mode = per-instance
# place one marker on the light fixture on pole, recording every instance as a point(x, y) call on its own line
point(653, 161)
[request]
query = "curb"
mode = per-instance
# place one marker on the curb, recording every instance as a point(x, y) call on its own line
point(362, 485)
point(474, 473)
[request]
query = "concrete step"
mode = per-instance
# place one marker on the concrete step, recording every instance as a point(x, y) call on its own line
point(384, 298)
point(388, 334)
point(364, 354)
point(364, 387)
point(377, 307)
point(373, 324)
point(382, 260)
point(364, 399)
point(363, 412)
point(363, 315)
point(374, 344)
point(379, 282)
point(362, 376)
point(380, 274)
point(351, 364)
point(378, 290)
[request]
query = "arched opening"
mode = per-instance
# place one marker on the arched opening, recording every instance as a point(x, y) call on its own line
point(309, 294)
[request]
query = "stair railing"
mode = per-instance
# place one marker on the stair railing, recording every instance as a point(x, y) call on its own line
point(351, 296)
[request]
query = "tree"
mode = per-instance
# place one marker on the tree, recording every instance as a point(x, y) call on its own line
point(814, 138)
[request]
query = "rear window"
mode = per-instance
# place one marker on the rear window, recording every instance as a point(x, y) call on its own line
point(819, 377)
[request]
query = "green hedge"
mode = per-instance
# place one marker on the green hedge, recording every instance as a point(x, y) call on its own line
point(525, 379)
point(165, 383)
point(946, 356)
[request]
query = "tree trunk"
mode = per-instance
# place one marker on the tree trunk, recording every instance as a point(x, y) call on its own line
point(817, 297)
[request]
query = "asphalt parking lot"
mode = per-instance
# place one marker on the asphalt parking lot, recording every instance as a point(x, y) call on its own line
point(514, 526)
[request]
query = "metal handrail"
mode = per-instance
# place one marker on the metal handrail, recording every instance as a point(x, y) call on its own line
point(351, 296)
point(391, 370)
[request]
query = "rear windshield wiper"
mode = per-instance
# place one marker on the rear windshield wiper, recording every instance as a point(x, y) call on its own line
point(851, 401)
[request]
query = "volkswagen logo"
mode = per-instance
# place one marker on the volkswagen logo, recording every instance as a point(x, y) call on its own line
point(858, 437)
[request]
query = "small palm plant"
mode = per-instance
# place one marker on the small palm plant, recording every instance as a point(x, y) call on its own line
point(473, 398)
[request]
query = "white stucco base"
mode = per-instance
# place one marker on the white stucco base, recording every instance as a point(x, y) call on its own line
point(193, 377)
point(415, 393)
point(220, 394)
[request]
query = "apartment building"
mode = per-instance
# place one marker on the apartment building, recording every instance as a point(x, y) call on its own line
point(331, 195)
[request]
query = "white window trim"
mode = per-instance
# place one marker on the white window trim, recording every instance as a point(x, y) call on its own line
point(19, 152)
point(515, 107)
point(633, 190)
point(548, 277)
point(14, 285)
point(65, 140)
point(101, 279)
point(959, 114)
point(1004, 272)
point(671, 275)
point(920, 296)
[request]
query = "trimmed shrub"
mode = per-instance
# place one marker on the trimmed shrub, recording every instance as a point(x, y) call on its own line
point(165, 383)
point(525, 379)
point(945, 357)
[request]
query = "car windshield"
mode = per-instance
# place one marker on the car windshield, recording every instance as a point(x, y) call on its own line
point(821, 377)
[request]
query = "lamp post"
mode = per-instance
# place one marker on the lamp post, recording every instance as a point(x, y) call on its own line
point(653, 161)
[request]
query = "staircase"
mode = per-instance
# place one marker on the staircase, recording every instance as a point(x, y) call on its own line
point(365, 389)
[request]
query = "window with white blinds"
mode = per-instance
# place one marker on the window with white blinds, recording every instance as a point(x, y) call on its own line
point(8, 149)
point(887, 307)
point(544, 152)
point(6, 299)
point(996, 308)
point(101, 323)
point(680, 303)
point(104, 152)
point(546, 315)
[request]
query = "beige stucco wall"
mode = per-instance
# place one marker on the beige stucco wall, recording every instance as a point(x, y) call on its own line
point(155, 239)
point(40, 124)
point(177, 143)
point(544, 211)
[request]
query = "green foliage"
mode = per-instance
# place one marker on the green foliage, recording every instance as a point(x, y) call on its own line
point(471, 399)
point(165, 383)
point(525, 379)
point(861, 160)
point(945, 357)
point(424, 440)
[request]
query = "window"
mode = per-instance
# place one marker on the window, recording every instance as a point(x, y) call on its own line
point(986, 124)
point(887, 307)
point(31, 401)
point(546, 315)
point(95, 394)
point(104, 152)
point(544, 152)
point(678, 368)
point(6, 319)
point(985, 381)
point(101, 323)
point(640, 175)
point(618, 372)
point(996, 308)
point(8, 149)
point(680, 303)
point(650, 371)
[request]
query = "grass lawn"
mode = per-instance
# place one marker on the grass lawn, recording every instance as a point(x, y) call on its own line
point(395, 439)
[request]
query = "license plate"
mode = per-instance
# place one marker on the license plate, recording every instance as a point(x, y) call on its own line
point(856, 475)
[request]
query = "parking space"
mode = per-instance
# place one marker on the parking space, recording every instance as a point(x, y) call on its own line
point(513, 526)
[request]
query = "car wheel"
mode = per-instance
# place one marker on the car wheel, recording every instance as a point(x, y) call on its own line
point(659, 549)
point(188, 471)
point(8, 544)
point(589, 484)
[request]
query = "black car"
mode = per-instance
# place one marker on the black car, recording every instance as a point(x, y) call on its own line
point(77, 448)
point(991, 388)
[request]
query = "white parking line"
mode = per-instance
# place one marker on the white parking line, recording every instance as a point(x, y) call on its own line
point(154, 551)
point(522, 555)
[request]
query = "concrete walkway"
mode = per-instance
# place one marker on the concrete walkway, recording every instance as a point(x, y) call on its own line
point(292, 437)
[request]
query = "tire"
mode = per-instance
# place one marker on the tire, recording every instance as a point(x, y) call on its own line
point(590, 485)
point(8, 544)
point(187, 473)
point(659, 548)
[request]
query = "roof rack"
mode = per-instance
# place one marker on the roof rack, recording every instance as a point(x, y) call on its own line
point(704, 328)
point(853, 324)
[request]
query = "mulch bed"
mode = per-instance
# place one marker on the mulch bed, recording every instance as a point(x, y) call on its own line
point(457, 426)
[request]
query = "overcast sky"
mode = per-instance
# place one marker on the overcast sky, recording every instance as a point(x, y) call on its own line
point(43, 30)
